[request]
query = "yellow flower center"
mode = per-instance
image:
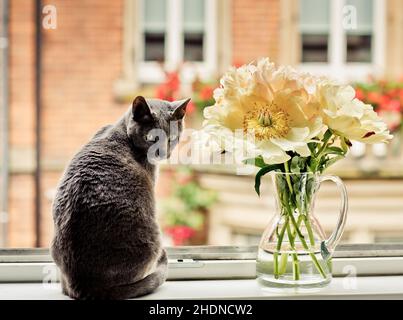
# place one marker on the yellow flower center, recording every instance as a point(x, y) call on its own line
point(266, 121)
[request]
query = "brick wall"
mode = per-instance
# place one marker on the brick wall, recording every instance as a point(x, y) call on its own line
point(21, 189)
point(255, 29)
point(81, 61)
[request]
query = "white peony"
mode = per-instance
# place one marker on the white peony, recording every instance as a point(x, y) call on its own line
point(273, 107)
point(269, 111)
point(349, 117)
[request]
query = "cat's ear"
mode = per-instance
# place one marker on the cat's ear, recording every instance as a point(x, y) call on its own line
point(180, 109)
point(141, 111)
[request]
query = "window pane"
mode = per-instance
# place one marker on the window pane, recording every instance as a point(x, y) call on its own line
point(314, 16)
point(359, 48)
point(154, 29)
point(364, 11)
point(154, 46)
point(193, 27)
point(193, 46)
point(314, 28)
point(359, 38)
point(314, 48)
point(155, 15)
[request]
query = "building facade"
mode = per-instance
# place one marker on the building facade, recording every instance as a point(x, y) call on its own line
point(102, 52)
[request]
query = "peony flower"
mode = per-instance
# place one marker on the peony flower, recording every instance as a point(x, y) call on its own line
point(272, 107)
point(349, 117)
point(271, 111)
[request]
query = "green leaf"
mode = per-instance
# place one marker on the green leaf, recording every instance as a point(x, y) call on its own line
point(312, 146)
point(298, 164)
point(257, 162)
point(327, 135)
point(295, 168)
point(334, 150)
point(261, 173)
point(332, 161)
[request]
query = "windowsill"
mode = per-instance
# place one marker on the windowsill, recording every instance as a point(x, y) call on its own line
point(382, 287)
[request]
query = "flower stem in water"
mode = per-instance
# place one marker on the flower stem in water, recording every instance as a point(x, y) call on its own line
point(295, 261)
point(306, 247)
point(278, 247)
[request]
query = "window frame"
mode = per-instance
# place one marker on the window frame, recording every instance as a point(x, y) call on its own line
point(213, 262)
point(337, 66)
point(150, 72)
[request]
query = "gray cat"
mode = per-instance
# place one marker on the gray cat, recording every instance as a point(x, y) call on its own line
point(107, 241)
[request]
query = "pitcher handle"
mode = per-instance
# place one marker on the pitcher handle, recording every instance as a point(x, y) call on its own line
point(334, 239)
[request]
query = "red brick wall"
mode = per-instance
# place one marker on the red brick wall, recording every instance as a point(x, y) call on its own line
point(255, 29)
point(81, 61)
point(22, 30)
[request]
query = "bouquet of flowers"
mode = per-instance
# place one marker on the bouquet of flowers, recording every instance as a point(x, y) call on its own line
point(282, 120)
point(287, 118)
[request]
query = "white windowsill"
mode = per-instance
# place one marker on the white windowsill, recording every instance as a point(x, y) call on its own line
point(385, 287)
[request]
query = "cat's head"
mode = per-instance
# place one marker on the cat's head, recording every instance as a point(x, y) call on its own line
point(155, 125)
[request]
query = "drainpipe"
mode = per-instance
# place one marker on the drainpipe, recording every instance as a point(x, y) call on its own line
point(4, 117)
point(38, 121)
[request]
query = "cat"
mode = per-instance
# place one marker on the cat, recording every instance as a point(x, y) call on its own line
point(107, 242)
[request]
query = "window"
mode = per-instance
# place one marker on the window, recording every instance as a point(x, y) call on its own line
point(342, 38)
point(177, 33)
point(315, 28)
point(154, 30)
point(193, 30)
point(359, 40)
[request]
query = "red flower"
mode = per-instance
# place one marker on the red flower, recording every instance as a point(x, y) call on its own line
point(191, 107)
point(180, 234)
point(173, 81)
point(206, 93)
point(390, 105)
point(237, 63)
point(374, 97)
point(359, 94)
point(169, 90)
point(384, 100)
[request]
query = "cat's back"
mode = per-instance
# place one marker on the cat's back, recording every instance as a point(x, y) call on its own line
point(103, 172)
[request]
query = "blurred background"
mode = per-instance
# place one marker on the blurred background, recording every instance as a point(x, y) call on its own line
point(68, 67)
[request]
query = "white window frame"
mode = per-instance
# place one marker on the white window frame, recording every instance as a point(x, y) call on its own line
point(213, 262)
point(337, 67)
point(150, 72)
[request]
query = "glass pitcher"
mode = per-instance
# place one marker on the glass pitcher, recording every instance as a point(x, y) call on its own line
point(294, 251)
